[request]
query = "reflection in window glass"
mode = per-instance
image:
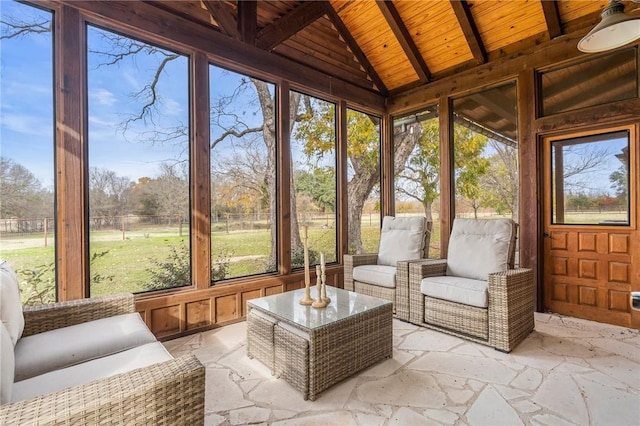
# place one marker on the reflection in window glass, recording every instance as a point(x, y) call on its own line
point(138, 165)
point(27, 220)
point(417, 170)
point(590, 180)
point(243, 175)
point(485, 154)
point(363, 187)
point(313, 194)
point(593, 81)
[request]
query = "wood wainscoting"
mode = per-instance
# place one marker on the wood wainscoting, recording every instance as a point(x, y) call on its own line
point(178, 313)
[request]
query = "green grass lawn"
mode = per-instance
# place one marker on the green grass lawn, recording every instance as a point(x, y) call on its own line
point(125, 265)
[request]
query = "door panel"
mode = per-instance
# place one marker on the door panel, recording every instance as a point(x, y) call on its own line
point(590, 260)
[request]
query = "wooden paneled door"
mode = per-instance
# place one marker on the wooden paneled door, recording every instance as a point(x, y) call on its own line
point(591, 237)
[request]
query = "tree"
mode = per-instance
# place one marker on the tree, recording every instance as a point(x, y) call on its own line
point(108, 195)
point(21, 193)
point(319, 185)
point(468, 164)
point(420, 179)
point(500, 184)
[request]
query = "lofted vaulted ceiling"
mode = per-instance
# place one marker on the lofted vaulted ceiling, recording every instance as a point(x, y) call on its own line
point(389, 47)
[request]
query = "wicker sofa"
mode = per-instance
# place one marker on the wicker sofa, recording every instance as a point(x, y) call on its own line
point(90, 361)
point(475, 293)
point(386, 274)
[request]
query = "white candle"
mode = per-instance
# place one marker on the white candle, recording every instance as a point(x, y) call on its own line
point(307, 280)
point(322, 266)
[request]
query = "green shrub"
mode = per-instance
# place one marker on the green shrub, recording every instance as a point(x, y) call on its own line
point(175, 270)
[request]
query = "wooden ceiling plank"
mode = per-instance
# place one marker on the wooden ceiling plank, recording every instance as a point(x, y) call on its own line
point(401, 32)
point(248, 21)
point(224, 17)
point(337, 70)
point(469, 29)
point(358, 53)
point(291, 23)
point(552, 18)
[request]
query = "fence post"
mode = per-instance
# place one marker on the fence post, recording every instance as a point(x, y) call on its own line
point(46, 222)
point(122, 224)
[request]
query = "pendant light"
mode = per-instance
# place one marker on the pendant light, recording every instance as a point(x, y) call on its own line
point(614, 30)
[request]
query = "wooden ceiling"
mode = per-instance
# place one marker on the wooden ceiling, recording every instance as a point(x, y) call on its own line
point(391, 46)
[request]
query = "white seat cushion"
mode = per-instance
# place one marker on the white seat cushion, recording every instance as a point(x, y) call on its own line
point(456, 289)
point(10, 302)
point(478, 247)
point(43, 352)
point(7, 366)
point(122, 362)
point(381, 275)
point(401, 238)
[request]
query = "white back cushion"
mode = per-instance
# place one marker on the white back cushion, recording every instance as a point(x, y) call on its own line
point(10, 302)
point(401, 238)
point(7, 365)
point(478, 247)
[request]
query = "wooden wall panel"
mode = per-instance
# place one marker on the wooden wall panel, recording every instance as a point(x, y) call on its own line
point(198, 314)
point(227, 308)
point(166, 320)
point(178, 312)
point(248, 295)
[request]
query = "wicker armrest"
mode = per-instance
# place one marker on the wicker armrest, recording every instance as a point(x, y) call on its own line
point(43, 318)
point(353, 260)
point(417, 271)
point(511, 307)
point(169, 393)
point(360, 259)
point(426, 268)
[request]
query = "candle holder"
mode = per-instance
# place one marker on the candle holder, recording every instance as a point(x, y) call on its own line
point(306, 300)
point(319, 302)
point(323, 284)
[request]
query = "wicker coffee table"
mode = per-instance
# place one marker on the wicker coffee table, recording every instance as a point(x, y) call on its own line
point(313, 349)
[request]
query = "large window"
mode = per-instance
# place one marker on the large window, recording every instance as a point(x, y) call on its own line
point(590, 179)
point(243, 175)
point(313, 194)
point(363, 187)
point(595, 80)
point(416, 140)
point(138, 165)
point(485, 154)
point(27, 224)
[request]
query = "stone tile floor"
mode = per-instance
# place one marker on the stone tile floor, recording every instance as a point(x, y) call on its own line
point(567, 372)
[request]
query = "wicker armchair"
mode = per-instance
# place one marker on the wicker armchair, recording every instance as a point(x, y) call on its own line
point(170, 392)
point(475, 293)
point(386, 274)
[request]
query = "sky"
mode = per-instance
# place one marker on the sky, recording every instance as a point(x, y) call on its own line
point(26, 103)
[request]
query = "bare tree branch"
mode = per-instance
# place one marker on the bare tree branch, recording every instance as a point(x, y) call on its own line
point(15, 28)
point(234, 132)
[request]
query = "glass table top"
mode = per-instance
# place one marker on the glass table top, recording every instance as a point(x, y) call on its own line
point(286, 306)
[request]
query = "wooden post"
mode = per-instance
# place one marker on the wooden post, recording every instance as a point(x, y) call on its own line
point(46, 230)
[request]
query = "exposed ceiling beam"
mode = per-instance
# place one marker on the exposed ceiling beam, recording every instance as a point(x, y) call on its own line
point(401, 32)
point(248, 20)
point(224, 17)
point(508, 112)
point(552, 18)
point(288, 25)
point(355, 49)
point(469, 29)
